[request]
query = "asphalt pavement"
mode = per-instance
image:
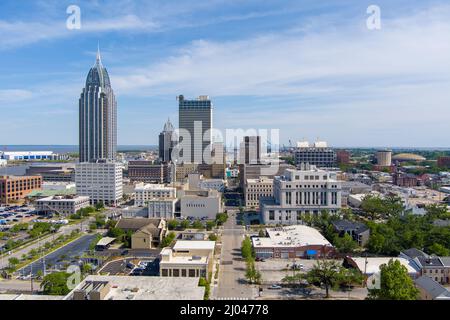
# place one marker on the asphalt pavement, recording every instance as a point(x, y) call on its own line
point(59, 259)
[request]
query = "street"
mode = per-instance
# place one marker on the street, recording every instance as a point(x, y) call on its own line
point(60, 258)
point(232, 283)
point(24, 251)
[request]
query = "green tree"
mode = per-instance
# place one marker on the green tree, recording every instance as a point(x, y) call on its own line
point(373, 206)
point(326, 273)
point(168, 239)
point(184, 224)
point(345, 244)
point(246, 248)
point(202, 282)
point(86, 268)
point(210, 225)
point(251, 274)
point(221, 218)
point(395, 283)
point(116, 233)
point(39, 274)
point(438, 249)
point(55, 284)
point(197, 224)
point(261, 233)
point(13, 261)
point(172, 224)
point(212, 237)
point(99, 206)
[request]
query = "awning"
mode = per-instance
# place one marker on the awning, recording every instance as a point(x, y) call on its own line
point(311, 252)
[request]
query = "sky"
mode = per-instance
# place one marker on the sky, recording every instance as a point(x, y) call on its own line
point(311, 69)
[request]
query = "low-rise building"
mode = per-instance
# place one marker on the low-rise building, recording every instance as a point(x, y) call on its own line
point(429, 289)
point(371, 265)
point(291, 242)
point(161, 208)
point(63, 205)
point(357, 230)
point(147, 233)
point(434, 267)
point(31, 155)
point(193, 234)
point(201, 204)
point(15, 188)
point(146, 192)
point(53, 172)
point(187, 259)
point(255, 189)
point(95, 287)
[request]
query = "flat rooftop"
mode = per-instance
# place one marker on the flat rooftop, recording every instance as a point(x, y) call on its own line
point(291, 236)
point(148, 288)
point(187, 244)
point(149, 186)
point(374, 264)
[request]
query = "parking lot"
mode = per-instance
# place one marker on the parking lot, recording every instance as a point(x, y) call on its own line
point(274, 270)
point(132, 267)
point(16, 214)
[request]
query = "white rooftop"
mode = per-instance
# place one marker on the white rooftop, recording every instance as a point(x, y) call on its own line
point(149, 186)
point(187, 244)
point(64, 198)
point(374, 264)
point(291, 236)
point(148, 288)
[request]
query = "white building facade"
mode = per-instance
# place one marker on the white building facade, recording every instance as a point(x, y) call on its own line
point(256, 189)
point(299, 192)
point(161, 208)
point(101, 181)
point(147, 192)
point(204, 204)
point(63, 205)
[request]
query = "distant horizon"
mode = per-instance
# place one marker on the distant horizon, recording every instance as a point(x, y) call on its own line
point(40, 146)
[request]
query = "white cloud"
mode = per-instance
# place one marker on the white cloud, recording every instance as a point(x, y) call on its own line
point(14, 95)
point(19, 33)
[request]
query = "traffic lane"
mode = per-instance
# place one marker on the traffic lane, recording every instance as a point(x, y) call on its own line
point(69, 252)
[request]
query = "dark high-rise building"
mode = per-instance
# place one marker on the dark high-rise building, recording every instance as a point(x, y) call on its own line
point(97, 116)
point(146, 171)
point(319, 155)
point(250, 150)
point(443, 162)
point(342, 157)
point(165, 142)
point(195, 116)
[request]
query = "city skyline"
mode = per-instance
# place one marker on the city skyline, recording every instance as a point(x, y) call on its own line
point(316, 65)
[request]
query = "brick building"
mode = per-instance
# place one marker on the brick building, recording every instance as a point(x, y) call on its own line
point(15, 188)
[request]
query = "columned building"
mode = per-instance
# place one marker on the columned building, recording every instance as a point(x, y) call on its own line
point(97, 116)
point(297, 193)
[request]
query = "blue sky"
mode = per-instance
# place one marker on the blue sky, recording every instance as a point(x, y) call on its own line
point(309, 68)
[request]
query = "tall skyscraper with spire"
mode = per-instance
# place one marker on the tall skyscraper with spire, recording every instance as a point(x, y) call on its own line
point(166, 144)
point(97, 116)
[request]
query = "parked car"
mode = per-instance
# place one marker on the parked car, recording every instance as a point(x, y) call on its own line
point(275, 287)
